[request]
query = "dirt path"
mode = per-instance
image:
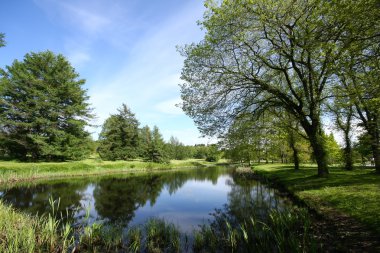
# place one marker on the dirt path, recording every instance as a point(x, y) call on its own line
point(338, 232)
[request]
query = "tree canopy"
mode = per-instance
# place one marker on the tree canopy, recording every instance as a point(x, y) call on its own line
point(259, 54)
point(43, 109)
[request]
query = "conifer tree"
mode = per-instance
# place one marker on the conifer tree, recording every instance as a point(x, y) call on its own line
point(119, 136)
point(43, 109)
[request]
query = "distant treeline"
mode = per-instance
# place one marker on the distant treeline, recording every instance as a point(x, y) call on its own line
point(121, 138)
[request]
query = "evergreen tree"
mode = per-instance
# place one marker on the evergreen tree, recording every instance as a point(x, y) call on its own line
point(151, 145)
point(157, 151)
point(43, 109)
point(119, 136)
point(145, 142)
point(175, 149)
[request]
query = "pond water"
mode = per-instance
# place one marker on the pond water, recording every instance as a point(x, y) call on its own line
point(187, 198)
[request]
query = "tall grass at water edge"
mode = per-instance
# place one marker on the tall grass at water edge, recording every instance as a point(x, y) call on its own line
point(282, 232)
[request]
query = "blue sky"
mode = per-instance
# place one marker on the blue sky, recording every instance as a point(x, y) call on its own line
point(125, 49)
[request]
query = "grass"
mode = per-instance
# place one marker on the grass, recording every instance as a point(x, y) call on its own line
point(287, 231)
point(283, 232)
point(13, 171)
point(354, 193)
point(23, 233)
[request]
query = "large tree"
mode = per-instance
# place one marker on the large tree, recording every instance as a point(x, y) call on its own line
point(43, 109)
point(359, 68)
point(360, 78)
point(119, 136)
point(258, 54)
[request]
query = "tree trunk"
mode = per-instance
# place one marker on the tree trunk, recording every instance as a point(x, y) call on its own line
point(292, 143)
point(320, 154)
point(296, 159)
point(373, 131)
point(314, 133)
point(376, 156)
point(348, 154)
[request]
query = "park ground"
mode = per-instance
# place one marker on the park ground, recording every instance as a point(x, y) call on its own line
point(346, 203)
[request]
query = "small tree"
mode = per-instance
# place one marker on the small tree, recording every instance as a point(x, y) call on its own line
point(213, 154)
point(175, 149)
point(333, 149)
point(119, 136)
point(152, 145)
point(157, 151)
point(43, 109)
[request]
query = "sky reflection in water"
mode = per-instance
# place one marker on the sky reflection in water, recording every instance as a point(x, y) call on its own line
point(186, 198)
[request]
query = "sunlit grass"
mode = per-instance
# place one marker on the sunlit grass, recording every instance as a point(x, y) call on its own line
point(355, 193)
point(23, 233)
point(13, 171)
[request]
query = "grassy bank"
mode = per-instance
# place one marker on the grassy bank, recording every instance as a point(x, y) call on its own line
point(12, 171)
point(352, 193)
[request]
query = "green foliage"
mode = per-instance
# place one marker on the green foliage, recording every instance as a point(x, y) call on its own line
point(43, 109)
point(358, 72)
point(2, 41)
point(200, 151)
point(176, 150)
point(363, 148)
point(119, 136)
point(157, 149)
point(213, 154)
point(333, 149)
point(258, 55)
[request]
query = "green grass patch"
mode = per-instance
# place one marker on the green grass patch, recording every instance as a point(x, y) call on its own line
point(355, 193)
point(13, 171)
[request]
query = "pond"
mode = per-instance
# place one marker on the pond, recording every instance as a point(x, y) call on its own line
point(188, 198)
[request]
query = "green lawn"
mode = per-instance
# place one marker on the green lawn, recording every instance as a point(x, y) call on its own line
point(13, 171)
point(355, 193)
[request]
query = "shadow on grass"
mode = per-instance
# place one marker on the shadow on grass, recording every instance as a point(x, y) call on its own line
point(306, 178)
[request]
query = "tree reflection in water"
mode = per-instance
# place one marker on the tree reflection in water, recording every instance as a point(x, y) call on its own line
point(34, 199)
point(255, 218)
point(116, 199)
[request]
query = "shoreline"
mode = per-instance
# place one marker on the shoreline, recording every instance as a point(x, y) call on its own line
point(13, 172)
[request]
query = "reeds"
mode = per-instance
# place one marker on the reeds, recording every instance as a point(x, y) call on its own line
point(285, 231)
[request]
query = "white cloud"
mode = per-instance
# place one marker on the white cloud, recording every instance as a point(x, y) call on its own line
point(90, 21)
point(78, 58)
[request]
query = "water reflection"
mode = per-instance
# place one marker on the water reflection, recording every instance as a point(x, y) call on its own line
point(246, 199)
point(185, 197)
point(118, 199)
point(35, 199)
